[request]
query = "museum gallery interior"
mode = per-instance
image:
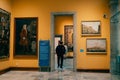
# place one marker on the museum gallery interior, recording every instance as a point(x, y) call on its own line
point(30, 31)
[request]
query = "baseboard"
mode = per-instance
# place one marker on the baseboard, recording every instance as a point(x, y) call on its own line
point(24, 68)
point(37, 69)
point(69, 57)
point(4, 71)
point(94, 70)
point(19, 69)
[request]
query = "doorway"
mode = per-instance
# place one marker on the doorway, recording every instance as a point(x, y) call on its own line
point(54, 34)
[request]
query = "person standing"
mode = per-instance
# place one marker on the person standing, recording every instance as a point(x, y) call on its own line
point(24, 38)
point(60, 51)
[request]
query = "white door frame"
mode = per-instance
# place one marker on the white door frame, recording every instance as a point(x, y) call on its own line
point(52, 60)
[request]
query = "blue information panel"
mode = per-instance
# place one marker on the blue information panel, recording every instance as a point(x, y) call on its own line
point(44, 53)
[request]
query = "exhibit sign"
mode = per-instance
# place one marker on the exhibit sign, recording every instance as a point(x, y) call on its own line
point(44, 53)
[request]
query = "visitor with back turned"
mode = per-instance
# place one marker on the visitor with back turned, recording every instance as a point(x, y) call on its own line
point(60, 51)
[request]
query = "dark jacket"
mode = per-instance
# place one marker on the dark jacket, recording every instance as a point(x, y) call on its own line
point(60, 50)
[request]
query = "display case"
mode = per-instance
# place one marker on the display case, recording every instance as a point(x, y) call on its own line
point(115, 38)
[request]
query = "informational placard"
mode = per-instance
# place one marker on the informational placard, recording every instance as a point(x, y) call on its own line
point(44, 52)
point(81, 50)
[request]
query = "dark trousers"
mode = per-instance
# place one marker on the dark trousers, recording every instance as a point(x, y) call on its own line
point(60, 61)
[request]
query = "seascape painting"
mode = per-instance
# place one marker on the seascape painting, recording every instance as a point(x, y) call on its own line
point(96, 45)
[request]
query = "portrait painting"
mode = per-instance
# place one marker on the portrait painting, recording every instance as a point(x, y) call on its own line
point(4, 33)
point(96, 45)
point(68, 37)
point(26, 36)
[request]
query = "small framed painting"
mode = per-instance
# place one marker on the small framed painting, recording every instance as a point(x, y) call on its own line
point(96, 45)
point(91, 28)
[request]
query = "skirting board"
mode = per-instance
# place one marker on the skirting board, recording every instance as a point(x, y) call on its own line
point(94, 70)
point(19, 69)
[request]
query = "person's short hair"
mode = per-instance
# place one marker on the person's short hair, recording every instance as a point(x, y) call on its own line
point(60, 42)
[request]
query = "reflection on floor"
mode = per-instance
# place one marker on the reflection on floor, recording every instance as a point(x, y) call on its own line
point(115, 77)
point(65, 75)
point(67, 63)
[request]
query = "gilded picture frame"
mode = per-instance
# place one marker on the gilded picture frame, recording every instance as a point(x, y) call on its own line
point(4, 33)
point(26, 36)
point(91, 28)
point(96, 46)
point(68, 37)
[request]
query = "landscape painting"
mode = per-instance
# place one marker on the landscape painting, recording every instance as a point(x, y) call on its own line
point(91, 28)
point(96, 45)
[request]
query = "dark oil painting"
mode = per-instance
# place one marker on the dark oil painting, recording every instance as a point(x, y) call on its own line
point(4, 33)
point(26, 36)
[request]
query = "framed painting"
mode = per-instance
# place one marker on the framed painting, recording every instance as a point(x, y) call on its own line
point(4, 34)
point(68, 37)
point(96, 46)
point(26, 36)
point(91, 28)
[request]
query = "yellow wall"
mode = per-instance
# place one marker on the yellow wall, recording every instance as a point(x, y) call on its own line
point(85, 10)
point(60, 22)
point(6, 5)
point(93, 12)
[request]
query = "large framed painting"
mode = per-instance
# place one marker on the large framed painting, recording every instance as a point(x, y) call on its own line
point(91, 28)
point(4, 33)
point(96, 46)
point(68, 37)
point(26, 36)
